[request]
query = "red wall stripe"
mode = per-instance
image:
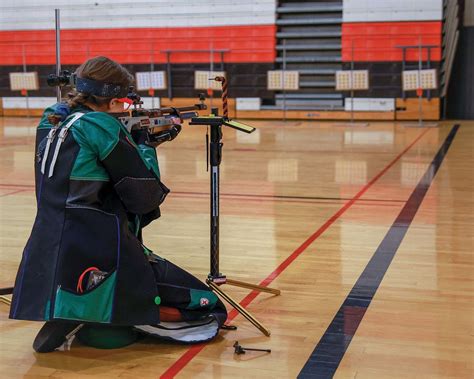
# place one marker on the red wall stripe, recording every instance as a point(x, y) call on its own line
point(249, 43)
point(377, 41)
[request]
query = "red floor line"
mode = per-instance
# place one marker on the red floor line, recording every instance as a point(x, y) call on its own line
point(12, 193)
point(9, 185)
point(182, 361)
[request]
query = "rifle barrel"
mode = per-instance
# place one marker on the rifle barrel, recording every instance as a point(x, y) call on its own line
point(195, 107)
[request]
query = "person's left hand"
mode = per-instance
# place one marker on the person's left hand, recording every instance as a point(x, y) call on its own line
point(164, 136)
point(175, 120)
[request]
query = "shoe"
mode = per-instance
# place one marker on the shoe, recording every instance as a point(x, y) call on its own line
point(52, 335)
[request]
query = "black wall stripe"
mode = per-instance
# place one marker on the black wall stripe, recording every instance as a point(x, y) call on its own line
point(330, 350)
point(461, 90)
point(245, 79)
point(385, 78)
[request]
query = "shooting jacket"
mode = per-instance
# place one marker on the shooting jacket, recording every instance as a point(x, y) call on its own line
point(97, 190)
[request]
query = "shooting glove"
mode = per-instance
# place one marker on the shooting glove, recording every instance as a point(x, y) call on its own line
point(141, 136)
point(163, 136)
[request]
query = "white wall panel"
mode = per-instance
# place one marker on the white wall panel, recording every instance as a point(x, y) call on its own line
point(82, 14)
point(19, 131)
point(33, 102)
point(248, 103)
point(392, 10)
point(44, 102)
point(370, 104)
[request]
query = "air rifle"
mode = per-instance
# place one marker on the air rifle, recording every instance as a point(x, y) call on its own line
point(158, 119)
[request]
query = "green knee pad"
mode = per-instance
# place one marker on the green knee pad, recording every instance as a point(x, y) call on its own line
point(107, 336)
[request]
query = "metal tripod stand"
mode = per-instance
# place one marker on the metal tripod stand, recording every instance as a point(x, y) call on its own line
point(215, 277)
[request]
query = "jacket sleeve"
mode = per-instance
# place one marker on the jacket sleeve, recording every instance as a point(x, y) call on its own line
point(132, 168)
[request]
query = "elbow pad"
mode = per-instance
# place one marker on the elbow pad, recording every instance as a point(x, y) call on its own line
point(141, 195)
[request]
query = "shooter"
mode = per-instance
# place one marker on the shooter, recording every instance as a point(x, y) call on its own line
point(97, 187)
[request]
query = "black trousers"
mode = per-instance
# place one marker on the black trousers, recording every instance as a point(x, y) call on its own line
point(177, 288)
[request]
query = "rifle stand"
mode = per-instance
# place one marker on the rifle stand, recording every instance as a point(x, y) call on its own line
point(215, 279)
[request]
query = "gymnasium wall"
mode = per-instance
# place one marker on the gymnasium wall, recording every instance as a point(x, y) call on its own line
point(141, 34)
point(138, 33)
point(372, 30)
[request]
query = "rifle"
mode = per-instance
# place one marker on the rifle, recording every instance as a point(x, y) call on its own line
point(155, 126)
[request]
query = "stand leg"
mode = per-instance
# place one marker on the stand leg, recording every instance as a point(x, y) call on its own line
point(239, 308)
point(5, 300)
point(6, 291)
point(215, 277)
point(238, 283)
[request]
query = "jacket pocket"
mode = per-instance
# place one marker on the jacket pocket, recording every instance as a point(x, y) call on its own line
point(90, 238)
point(94, 305)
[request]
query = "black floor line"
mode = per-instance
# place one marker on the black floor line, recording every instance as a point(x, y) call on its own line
point(332, 346)
point(290, 197)
point(286, 197)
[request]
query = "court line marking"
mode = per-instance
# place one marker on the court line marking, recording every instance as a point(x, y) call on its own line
point(286, 197)
point(335, 341)
point(187, 356)
point(328, 202)
point(237, 195)
point(12, 193)
point(252, 198)
point(9, 185)
point(362, 202)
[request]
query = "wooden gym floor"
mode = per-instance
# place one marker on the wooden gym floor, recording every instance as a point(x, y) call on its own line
point(317, 210)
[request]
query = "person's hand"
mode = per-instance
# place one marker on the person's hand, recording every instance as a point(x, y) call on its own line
point(175, 120)
point(143, 136)
point(164, 136)
point(140, 136)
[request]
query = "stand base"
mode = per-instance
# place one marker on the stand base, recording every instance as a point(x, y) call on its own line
point(215, 287)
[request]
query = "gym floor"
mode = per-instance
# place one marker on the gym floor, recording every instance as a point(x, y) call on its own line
point(366, 230)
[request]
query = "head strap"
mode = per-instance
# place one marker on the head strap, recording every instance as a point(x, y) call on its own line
point(94, 87)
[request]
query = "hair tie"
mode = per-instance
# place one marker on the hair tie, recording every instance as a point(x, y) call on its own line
point(63, 111)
